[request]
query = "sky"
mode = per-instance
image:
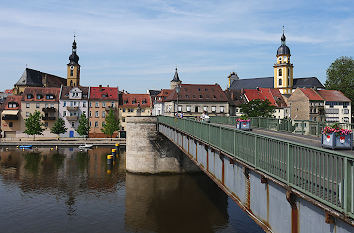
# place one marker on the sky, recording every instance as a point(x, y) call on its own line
point(137, 45)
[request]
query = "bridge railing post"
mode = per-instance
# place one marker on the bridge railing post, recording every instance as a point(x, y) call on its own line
point(348, 182)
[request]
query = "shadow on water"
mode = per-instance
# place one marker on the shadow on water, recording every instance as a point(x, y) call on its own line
point(72, 191)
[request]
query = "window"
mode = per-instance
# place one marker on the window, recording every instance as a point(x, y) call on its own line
point(288, 72)
point(49, 97)
point(64, 103)
point(222, 109)
point(27, 105)
point(96, 124)
point(72, 124)
point(143, 109)
point(90, 104)
point(71, 72)
point(29, 96)
point(96, 114)
point(188, 108)
point(46, 124)
point(64, 113)
point(196, 109)
point(280, 82)
point(27, 114)
point(280, 72)
point(37, 105)
point(123, 109)
point(103, 114)
point(104, 104)
point(11, 124)
point(112, 104)
point(39, 96)
point(84, 112)
point(90, 124)
point(179, 108)
point(97, 105)
point(123, 119)
point(84, 104)
point(205, 108)
point(213, 108)
point(90, 114)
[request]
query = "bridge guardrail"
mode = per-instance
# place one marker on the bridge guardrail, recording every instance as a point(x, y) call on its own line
point(325, 175)
point(303, 127)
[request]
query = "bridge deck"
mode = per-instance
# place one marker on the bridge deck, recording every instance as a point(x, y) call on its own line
point(304, 139)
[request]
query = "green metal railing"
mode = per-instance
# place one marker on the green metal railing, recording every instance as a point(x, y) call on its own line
point(325, 175)
point(293, 126)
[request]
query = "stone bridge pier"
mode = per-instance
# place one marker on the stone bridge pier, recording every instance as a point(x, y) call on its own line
point(149, 152)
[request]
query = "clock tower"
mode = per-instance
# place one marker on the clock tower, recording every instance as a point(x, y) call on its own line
point(73, 68)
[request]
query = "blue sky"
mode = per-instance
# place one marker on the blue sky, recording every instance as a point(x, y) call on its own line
point(137, 44)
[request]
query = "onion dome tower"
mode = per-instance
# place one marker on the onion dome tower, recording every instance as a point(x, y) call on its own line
point(73, 68)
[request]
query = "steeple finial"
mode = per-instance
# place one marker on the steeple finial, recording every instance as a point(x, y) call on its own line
point(283, 38)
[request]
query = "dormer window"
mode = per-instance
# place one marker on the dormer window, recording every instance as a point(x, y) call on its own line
point(39, 96)
point(29, 96)
point(143, 101)
point(12, 105)
point(134, 101)
point(49, 97)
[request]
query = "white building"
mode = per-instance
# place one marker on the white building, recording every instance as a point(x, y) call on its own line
point(337, 106)
point(74, 102)
point(159, 102)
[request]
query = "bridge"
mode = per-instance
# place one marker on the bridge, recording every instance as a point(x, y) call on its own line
point(283, 184)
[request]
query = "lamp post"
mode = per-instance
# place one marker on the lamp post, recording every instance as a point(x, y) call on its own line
point(178, 89)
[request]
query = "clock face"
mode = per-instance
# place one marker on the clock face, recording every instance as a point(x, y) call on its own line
point(71, 67)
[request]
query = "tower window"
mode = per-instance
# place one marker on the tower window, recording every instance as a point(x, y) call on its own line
point(280, 72)
point(280, 82)
point(71, 73)
point(288, 72)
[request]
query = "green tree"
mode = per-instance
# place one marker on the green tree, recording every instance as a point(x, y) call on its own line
point(59, 127)
point(340, 76)
point(33, 124)
point(83, 128)
point(111, 124)
point(258, 108)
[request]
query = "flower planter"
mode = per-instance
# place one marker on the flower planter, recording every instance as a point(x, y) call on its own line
point(333, 141)
point(243, 125)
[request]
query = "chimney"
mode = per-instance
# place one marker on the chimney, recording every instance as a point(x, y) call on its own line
point(257, 88)
point(100, 86)
point(107, 85)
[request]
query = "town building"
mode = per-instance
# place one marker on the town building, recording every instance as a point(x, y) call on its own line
point(159, 102)
point(306, 104)
point(274, 96)
point(194, 99)
point(235, 99)
point(102, 100)
point(35, 78)
point(73, 103)
point(134, 105)
point(10, 118)
point(283, 75)
point(42, 99)
point(337, 106)
point(73, 68)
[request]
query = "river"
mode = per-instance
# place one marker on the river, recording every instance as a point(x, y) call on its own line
point(65, 190)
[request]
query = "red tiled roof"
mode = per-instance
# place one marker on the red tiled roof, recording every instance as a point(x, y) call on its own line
point(104, 93)
point(199, 93)
point(311, 94)
point(8, 91)
point(161, 97)
point(13, 98)
point(133, 100)
point(43, 91)
point(333, 95)
point(271, 94)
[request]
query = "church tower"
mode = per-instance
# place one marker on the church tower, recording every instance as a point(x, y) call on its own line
point(73, 68)
point(175, 81)
point(283, 69)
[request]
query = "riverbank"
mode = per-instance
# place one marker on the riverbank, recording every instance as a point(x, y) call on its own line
point(63, 142)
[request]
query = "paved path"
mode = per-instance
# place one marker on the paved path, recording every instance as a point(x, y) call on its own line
point(304, 139)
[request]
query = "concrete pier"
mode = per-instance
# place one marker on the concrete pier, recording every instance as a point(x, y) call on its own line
point(148, 152)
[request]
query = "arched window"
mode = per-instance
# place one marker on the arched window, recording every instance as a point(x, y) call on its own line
point(71, 83)
point(280, 82)
point(280, 73)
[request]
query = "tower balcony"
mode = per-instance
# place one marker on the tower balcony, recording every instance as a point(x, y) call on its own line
point(49, 109)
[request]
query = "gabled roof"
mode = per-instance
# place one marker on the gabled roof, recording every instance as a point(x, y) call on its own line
point(198, 93)
point(13, 98)
point(164, 93)
point(37, 78)
point(234, 97)
point(104, 93)
point(135, 100)
point(43, 91)
point(271, 94)
point(66, 90)
point(333, 95)
point(311, 94)
point(268, 82)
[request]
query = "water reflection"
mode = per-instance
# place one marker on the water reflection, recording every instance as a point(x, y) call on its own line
point(73, 191)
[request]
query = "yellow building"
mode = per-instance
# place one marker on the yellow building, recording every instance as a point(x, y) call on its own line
point(283, 69)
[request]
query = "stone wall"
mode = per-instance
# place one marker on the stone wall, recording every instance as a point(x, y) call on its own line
point(150, 152)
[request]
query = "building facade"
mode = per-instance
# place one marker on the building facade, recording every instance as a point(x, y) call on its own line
point(134, 105)
point(10, 117)
point(102, 100)
point(73, 102)
point(42, 99)
point(337, 106)
point(159, 102)
point(194, 99)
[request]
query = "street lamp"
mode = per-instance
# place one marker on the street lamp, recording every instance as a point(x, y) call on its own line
point(178, 89)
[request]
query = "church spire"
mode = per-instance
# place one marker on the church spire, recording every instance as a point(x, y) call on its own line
point(73, 67)
point(74, 58)
point(175, 81)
